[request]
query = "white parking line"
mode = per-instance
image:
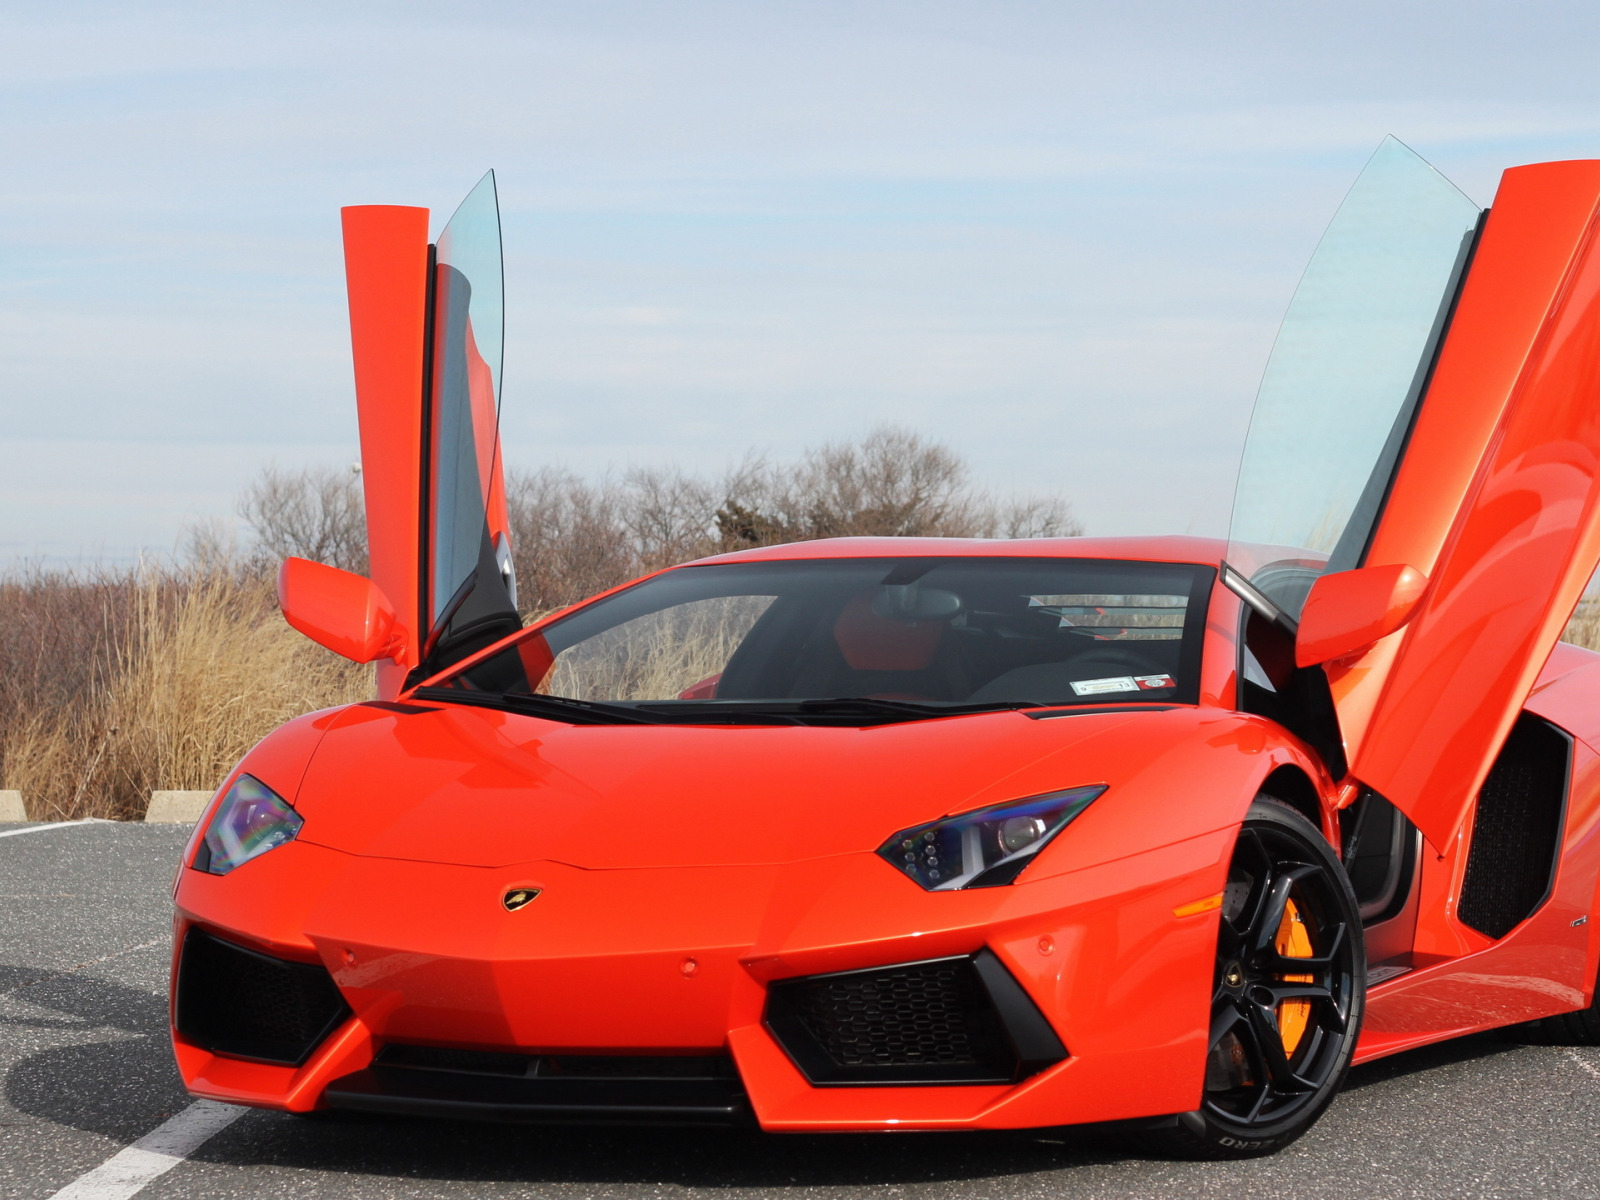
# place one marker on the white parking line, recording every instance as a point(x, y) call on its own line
point(47, 825)
point(153, 1155)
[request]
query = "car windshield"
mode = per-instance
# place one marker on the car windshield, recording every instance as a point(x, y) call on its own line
point(900, 637)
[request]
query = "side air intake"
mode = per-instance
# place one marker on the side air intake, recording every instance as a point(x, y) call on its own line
point(238, 1002)
point(1516, 830)
point(946, 1020)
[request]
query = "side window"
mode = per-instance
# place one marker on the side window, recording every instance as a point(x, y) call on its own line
point(676, 653)
point(471, 590)
point(1346, 374)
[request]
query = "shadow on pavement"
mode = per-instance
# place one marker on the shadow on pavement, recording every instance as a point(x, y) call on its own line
point(121, 1085)
point(85, 999)
point(1427, 1058)
point(442, 1150)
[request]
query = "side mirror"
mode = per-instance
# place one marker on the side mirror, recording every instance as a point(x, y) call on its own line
point(1349, 610)
point(349, 614)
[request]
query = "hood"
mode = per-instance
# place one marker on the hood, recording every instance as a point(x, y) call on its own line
point(476, 787)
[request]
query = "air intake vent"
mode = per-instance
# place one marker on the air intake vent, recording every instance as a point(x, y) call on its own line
point(238, 1002)
point(1516, 829)
point(946, 1020)
point(508, 1085)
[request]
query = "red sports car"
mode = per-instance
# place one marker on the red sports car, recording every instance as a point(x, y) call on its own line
point(878, 834)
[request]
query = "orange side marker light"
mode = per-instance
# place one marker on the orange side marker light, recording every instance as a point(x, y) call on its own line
point(1195, 907)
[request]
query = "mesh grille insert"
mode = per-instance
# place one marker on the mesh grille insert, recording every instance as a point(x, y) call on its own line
point(926, 1022)
point(1517, 828)
point(238, 1002)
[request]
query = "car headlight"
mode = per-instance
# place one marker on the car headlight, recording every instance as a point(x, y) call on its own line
point(251, 820)
point(988, 846)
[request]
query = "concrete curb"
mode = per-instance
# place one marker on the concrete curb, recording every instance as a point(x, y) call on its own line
point(175, 808)
point(166, 808)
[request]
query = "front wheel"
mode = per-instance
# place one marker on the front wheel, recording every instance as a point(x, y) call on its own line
point(1288, 995)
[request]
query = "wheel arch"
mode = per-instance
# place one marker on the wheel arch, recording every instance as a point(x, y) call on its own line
point(1291, 784)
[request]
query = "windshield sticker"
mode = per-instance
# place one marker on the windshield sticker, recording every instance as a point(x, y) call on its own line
point(1146, 682)
point(1096, 687)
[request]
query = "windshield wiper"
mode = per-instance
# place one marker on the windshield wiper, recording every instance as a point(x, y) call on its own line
point(554, 708)
point(835, 710)
point(845, 705)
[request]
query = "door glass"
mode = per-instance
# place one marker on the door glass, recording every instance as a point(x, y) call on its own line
point(466, 506)
point(1345, 375)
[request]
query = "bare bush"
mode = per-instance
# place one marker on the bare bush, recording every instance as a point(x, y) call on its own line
point(573, 538)
point(59, 649)
point(893, 483)
point(200, 669)
point(1027, 517)
point(118, 681)
point(569, 538)
point(61, 635)
point(316, 513)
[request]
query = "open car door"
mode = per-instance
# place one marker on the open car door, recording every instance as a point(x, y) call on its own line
point(1432, 402)
point(426, 326)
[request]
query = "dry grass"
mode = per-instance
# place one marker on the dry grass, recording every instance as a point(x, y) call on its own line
point(115, 683)
point(1584, 628)
point(203, 670)
point(118, 681)
point(658, 656)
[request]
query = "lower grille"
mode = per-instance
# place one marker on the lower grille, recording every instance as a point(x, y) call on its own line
point(238, 1002)
point(946, 1020)
point(1516, 830)
point(555, 1089)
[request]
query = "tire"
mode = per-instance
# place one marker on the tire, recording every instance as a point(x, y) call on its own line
point(1281, 1035)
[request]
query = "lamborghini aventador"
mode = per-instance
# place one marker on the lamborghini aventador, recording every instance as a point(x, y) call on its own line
point(873, 834)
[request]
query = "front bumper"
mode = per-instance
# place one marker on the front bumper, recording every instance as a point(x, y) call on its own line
point(678, 962)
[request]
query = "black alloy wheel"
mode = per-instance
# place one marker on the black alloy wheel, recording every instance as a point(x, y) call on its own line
point(1289, 993)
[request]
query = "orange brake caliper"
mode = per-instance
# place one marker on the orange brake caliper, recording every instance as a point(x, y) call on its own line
point(1293, 941)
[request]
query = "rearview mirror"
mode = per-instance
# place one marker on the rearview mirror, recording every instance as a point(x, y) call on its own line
point(349, 614)
point(1349, 610)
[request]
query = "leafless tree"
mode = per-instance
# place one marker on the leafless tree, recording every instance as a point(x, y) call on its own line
point(569, 538)
point(573, 538)
point(893, 483)
point(1026, 517)
point(315, 513)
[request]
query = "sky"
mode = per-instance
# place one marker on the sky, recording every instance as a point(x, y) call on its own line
point(1057, 237)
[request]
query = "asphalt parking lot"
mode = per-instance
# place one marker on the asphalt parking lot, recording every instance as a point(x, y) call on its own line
point(84, 932)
